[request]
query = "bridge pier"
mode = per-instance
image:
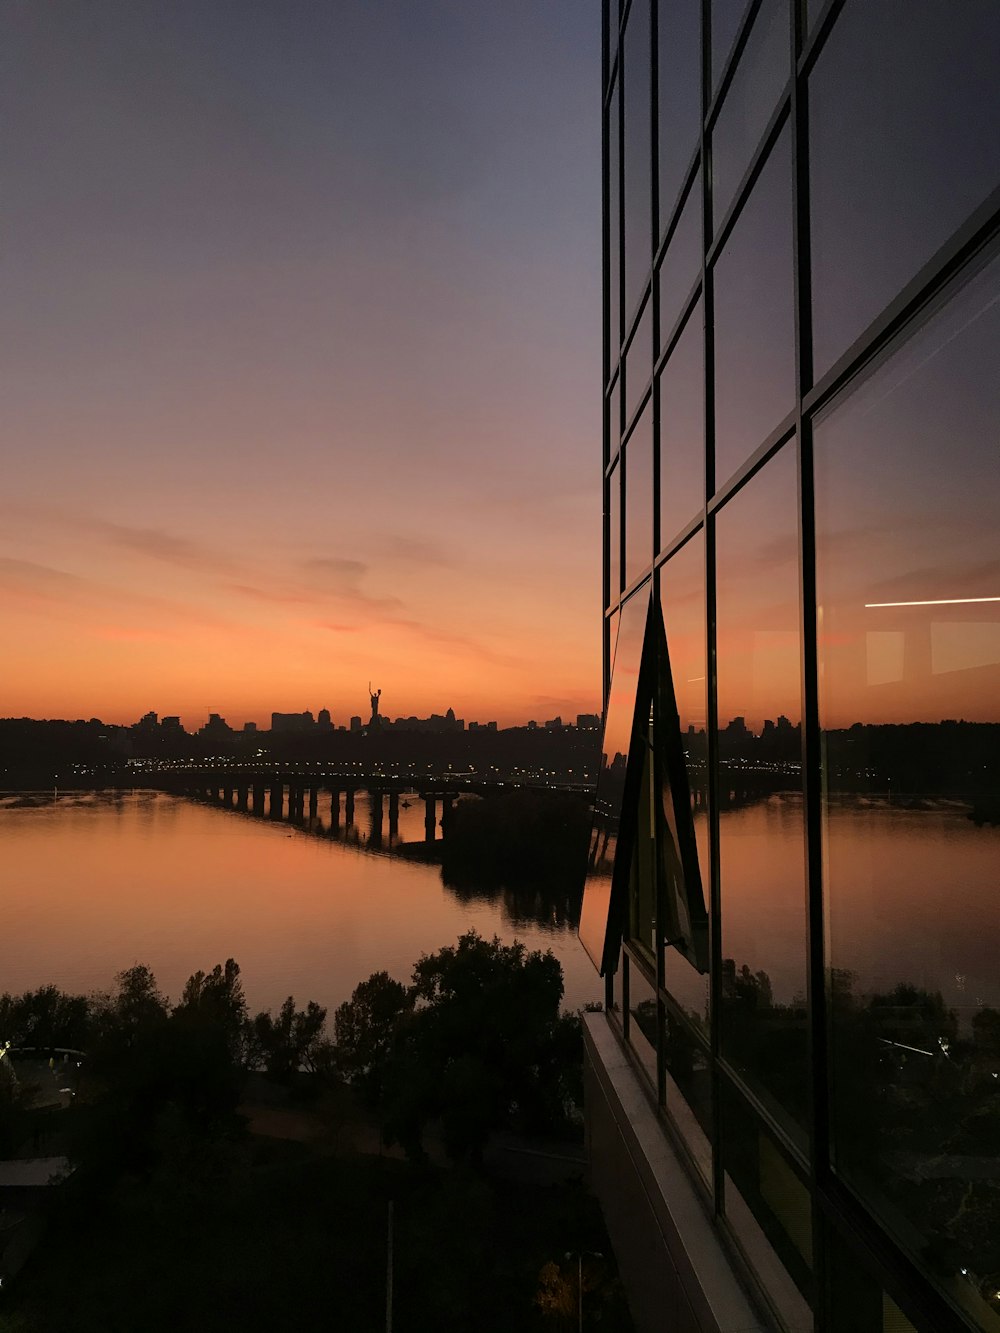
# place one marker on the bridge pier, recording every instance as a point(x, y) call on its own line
point(277, 802)
point(334, 811)
point(394, 813)
point(296, 799)
point(313, 801)
point(349, 806)
point(430, 818)
point(258, 800)
point(242, 798)
point(447, 806)
point(377, 812)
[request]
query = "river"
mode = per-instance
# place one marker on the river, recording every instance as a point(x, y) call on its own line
point(94, 882)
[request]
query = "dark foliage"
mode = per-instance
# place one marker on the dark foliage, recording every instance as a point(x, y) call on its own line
point(476, 1044)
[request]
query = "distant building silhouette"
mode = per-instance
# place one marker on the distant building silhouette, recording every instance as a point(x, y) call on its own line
point(292, 723)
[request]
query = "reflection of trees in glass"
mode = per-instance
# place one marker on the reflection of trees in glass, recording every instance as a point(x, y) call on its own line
point(644, 1014)
point(767, 1041)
point(916, 1120)
point(686, 1060)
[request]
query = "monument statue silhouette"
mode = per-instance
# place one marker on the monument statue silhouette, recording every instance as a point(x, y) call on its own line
point(374, 698)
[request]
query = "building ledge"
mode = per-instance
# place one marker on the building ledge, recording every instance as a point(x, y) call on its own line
point(676, 1269)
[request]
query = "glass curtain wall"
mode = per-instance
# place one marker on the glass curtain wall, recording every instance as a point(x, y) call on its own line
point(802, 231)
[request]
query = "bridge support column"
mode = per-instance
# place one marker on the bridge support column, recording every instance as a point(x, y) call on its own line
point(349, 806)
point(430, 818)
point(313, 801)
point(447, 808)
point(334, 811)
point(377, 812)
point(258, 800)
point(242, 798)
point(277, 803)
point(393, 814)
point(296, 799)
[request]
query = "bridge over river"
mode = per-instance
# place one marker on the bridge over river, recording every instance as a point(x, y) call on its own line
point(301, 794)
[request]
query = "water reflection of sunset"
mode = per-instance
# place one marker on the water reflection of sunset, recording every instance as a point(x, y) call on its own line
point(92, 887)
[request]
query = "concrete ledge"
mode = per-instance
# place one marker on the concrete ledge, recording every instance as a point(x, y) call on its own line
point(678, 1274)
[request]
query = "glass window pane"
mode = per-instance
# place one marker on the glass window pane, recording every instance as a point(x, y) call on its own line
point(639, 498)
point(769, 1209)
point(596, 933)
point(642, 886)
point(908, 581)
point(753, 94)
point(611, 629)
point(614, 419)
point(726, 16)
point(639, 362)
point(614, 534)
point(682, 601)
point(755, 318)
point(681, 267)
point(638, 155)
point(642, 1019)
point(611, 29)
point(614, 235)
point(688, 1089)
point(682, 430)
point(904, 142)
point(761, 833)
point(678, 96)
point(856, 1299)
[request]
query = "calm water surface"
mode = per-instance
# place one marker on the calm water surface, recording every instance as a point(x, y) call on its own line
point(93, 883)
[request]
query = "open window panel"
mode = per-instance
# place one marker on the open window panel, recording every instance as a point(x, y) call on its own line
point(640, 674)
point(682, 909)
point(612, 837)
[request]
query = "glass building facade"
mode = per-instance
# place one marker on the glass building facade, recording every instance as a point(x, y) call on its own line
point(794, 880)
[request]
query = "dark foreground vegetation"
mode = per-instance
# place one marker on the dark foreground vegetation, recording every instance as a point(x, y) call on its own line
point(183, 1211)
point(288, 1240)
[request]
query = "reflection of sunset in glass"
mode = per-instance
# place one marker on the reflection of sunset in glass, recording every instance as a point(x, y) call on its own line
point(906, 510)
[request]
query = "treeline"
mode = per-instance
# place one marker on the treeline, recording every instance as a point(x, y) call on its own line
point(475, 1044)
point(476, 1041)
point(150, 1072)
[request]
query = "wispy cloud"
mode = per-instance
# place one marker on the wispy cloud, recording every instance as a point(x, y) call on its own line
point(336, 567)
point(28, 571)
point(457, 643)
point(419, 551)
point(273, 596)
point(166, 547)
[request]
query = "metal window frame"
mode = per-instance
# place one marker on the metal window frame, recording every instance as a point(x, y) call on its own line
point(834, 1205)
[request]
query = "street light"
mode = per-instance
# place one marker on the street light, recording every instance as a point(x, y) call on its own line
point(579, 1256)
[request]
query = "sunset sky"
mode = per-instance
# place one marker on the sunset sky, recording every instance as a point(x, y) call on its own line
point(300, 358)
